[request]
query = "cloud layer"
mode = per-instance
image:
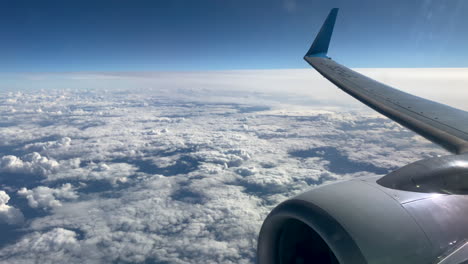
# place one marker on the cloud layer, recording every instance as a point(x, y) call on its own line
point(179, 171)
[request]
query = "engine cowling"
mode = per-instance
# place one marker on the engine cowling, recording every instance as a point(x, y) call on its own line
point(361, 221)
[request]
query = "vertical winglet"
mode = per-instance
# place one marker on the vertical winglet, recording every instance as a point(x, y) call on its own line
point(320, 46)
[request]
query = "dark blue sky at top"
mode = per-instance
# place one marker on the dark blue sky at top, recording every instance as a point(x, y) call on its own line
point(175, 35)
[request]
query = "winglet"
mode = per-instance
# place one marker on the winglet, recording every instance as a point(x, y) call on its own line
point(320, 46)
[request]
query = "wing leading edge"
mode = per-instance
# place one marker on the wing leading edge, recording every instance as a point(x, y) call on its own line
point(439, 123)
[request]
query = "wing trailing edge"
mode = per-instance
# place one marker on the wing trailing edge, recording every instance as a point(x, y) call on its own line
point(439, 123)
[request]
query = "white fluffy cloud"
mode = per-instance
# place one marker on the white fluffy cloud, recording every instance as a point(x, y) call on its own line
point(41, 146)
point(113, 172)
point(9, 214)
point(53, 246)
point(32, 163)
point(45, 197)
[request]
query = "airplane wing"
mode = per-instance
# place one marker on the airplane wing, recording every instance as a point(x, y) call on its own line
point(439, 123)
point(415, 214)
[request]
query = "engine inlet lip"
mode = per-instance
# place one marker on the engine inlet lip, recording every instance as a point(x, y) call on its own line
point(332, 232)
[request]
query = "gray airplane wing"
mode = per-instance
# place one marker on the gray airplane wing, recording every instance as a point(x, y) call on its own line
point(439, 123)
point(416, 214)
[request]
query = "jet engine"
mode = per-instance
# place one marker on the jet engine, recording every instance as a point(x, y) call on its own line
point(408, 216)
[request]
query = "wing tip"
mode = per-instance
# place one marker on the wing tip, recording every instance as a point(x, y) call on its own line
point(320, 45)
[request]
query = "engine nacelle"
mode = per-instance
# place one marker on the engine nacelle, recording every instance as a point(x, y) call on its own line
point(360, 221)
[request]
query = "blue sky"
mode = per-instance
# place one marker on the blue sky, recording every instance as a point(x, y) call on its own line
point(44, 36)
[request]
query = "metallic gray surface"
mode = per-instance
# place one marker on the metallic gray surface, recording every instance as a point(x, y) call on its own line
point(362, 218)
point(447, 175)
point(399, 195)
point(442, 124)
point(458, 256)
point(444, 219)
point(382, 229)
point(334, 234)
